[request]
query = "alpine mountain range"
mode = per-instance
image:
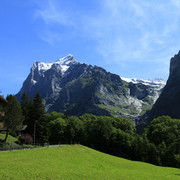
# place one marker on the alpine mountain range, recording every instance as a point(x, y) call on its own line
point(77, 88)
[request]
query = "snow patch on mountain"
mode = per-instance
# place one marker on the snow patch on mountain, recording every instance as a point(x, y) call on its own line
point(44, 66)
point(156, 83)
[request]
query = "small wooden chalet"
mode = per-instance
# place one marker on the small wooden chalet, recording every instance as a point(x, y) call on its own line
point(2, 100)
point(3, 103)
point(18, 130)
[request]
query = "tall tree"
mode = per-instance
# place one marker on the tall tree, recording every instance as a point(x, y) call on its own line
point(13, 118)
point(40, 125)
point(29, 119)
point(25, 107)
point(38, 107)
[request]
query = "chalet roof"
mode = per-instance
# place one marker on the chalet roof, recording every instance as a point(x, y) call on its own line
point(2, 100)
point(17, 129)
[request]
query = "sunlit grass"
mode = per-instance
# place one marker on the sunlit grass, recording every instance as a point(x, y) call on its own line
point(76, 162)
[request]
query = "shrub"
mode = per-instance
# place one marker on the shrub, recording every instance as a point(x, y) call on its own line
point(25, 139)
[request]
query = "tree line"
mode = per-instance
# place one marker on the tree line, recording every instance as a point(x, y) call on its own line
point(159, 144)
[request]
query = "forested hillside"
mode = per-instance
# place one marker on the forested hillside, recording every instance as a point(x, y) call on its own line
point(114, 135)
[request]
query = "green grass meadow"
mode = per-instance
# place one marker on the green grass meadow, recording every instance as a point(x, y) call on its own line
point(11, 143)
point(76, 162)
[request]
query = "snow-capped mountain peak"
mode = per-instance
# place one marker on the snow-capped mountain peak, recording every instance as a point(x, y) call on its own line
point(64, 64)
point(66, 60)
point(67, 85)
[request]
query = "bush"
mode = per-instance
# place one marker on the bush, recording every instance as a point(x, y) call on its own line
point(25, 139)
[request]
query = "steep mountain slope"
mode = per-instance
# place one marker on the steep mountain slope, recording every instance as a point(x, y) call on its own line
point(77, 88)
point(168, 102)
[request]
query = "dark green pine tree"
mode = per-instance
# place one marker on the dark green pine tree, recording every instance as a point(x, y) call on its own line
point(13, 118)
point(30, 118)
point(40, 124)
point(25, 107)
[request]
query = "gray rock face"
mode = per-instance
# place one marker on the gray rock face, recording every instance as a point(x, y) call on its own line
point(76, 88)
point(174, 68)
point(168, 102)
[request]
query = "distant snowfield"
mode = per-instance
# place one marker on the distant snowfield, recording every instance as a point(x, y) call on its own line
point(151, 82)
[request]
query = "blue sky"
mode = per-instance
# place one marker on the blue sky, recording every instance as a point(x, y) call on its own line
point(132, 38)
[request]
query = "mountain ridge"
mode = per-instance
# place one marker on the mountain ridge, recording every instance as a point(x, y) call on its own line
point(67, 85)
point(168, 101)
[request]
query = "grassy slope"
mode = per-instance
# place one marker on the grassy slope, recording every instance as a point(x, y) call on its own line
point(76, 162)
point(10, 140)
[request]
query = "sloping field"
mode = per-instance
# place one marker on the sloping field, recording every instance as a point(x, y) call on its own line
point(11, 143)
point(76, 162)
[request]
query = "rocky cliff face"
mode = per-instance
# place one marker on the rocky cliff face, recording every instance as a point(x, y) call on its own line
point(77, 88)
point(168, 102)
